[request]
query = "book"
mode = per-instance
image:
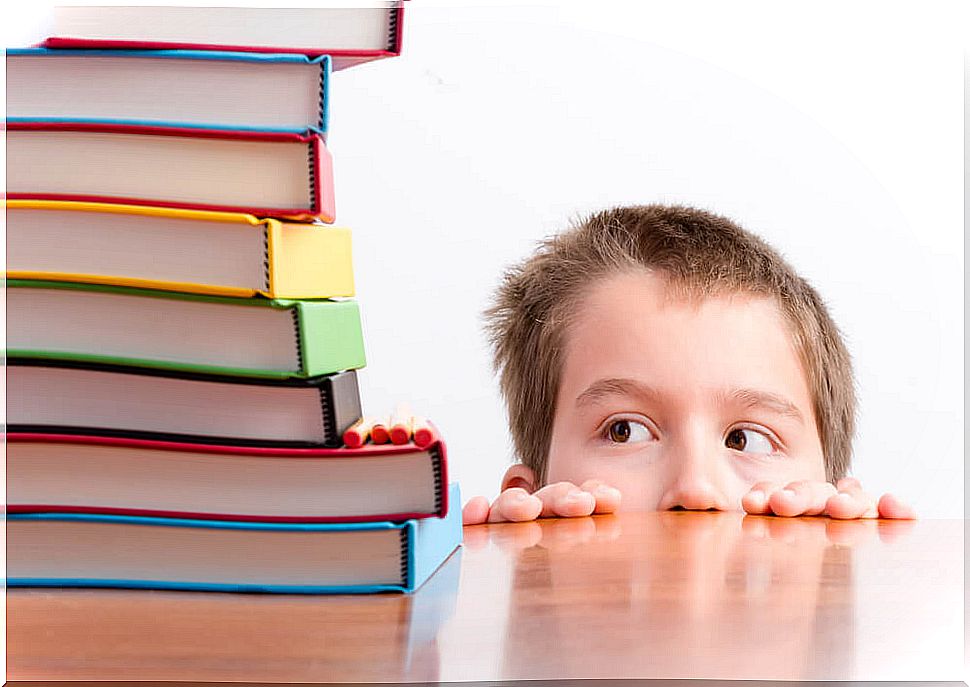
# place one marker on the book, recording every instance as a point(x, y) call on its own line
point(195, 251)
point(94, 550)
point(85, 474)
point(351, 35)
point(67, 397)
point(180, 88)
point(259, 173)
point(131, 327)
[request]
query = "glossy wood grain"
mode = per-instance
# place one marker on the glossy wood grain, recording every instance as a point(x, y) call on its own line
point(653, 595)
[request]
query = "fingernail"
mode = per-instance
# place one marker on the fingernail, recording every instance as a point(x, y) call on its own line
point(789, 492)
point(574, 496)
point(519, 498)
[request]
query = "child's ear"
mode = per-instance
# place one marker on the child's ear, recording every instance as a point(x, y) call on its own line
point(519, 476)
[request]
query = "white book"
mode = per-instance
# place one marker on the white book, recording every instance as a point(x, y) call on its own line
point(350, 35)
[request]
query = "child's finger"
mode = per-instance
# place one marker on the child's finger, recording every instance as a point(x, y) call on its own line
point(607, 498)
point(756, 500)
point(849, 485)
point(475, 511)
point(795, 499)
point(891, 507)
point(515, 505)
point(565, 500)
point(850, 505)
point(820, 492)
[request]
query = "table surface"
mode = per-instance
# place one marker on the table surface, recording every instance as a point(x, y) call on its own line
point(645, 595)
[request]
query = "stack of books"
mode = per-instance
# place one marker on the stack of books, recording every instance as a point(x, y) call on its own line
point(182, 341)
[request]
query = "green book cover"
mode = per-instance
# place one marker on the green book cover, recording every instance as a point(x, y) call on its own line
point(254, 337)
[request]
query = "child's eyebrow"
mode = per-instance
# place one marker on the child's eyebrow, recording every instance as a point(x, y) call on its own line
point(749, 398)
point(753, 398)
point(616, 386)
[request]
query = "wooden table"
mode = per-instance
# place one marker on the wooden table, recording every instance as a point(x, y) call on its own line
point(652, 595)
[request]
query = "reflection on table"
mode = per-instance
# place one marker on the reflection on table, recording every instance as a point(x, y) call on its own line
point(651, 595)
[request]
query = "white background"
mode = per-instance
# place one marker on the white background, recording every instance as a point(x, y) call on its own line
point(832, 129)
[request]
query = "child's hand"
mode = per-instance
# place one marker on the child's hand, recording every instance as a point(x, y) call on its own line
point(563, 499)
point(844, 501)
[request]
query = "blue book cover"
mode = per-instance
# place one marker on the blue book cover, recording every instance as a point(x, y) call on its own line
point(202, 89)
point(92, 550)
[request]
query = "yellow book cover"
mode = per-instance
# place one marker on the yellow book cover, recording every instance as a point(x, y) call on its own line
point(218, 253)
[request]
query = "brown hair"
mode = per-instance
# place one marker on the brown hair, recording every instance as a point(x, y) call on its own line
point(700, 255)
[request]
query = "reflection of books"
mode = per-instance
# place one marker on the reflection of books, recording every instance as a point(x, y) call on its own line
point(58, 397)
point(139, 477)
point(88, 550)
point(260, 173)
point(139, 327)
point(350, 34)
point(218, 253)
point(221, 90)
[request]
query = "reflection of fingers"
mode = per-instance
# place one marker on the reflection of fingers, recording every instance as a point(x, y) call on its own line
point(850, 532)
point(515, 505)
point(607, 498)
point(795, 531)
point(754, 527)
point(475, 511)
point(891, 507)
point(892, 530)
point(607, 527)
point(846, 506)
point(565, 500)
point(564, 534)
point(789, 530)
point(475, 538)
point(516, 536)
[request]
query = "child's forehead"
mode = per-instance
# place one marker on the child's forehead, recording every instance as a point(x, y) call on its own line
point(638, 321)
point(629, 296)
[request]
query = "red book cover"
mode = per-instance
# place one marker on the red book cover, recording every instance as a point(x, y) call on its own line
point(318, 167)
point(178, 451)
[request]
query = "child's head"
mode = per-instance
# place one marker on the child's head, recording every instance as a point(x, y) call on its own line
point(673, 355)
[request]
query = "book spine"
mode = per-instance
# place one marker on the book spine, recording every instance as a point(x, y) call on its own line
point(395, 30)
point(329, 335)
point(323, 122)
point(321, 182)
point(339, 406)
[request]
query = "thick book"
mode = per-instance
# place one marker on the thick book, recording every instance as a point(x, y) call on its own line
point(181, 88)
point(66, 397)
point(118, 325)
point(216, 253)
point(93, 550)
point(259, 173)
point(84, 474)
point(350, 35)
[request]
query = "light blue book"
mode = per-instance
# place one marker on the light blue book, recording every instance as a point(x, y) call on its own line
point(192, 89)
point(90, 550)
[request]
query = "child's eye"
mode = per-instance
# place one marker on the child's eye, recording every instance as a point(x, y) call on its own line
point(628, 432)
point(749, 441)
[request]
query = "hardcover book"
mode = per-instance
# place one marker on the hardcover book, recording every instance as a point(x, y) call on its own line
point(259, 173)
point(66, 397)
point(92, 550)
point(180, 88)
point(195, 251)
point(351, 35)
point(178, 331)
point(89, 474)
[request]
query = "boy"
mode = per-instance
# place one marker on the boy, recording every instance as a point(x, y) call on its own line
point(664, 358)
